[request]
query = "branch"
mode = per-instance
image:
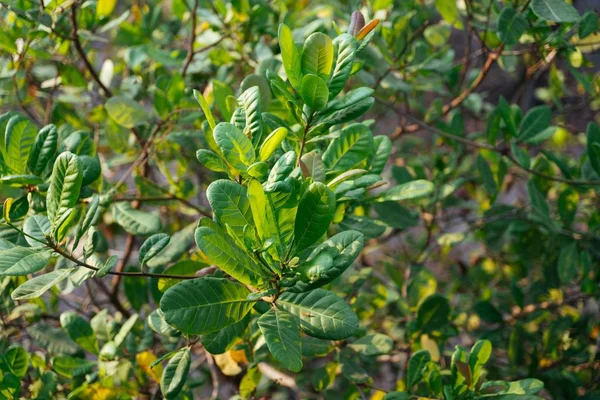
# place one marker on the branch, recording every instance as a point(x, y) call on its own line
point(190, 54)
point(421, 124)
point(79, 48)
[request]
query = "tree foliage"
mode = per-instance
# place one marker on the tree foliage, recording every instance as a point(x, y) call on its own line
point(203, 198)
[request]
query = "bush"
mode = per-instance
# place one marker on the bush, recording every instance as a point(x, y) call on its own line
point(251, 199)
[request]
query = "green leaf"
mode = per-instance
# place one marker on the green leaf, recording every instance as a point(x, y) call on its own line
point(349, 113)
point(125, 112)
point(312, 164)
point(486, 174)
point(272, 143)
point(317, 55)
point(383, 150)
point(281, 170)
point(37, 286)
point(53, 339)
point(409, 190)
point(17, 360)
point(183, 267)
point(156, 321)
point(593, 146)
point(205, 305)
point(568, 261)
point(19, 138)
point(175, 373)
point(43, 149)
point(344, 49)
point(322, 314)
point(230, 205)
point(433, 313)
point(236, 147)
point(19, 261)
point(448, 9)
point(588, 24)
point(554, 10)
point(65, 186)
point(373, 345)
point(329, 260)
point(152, 247)
point(315, 212)
point(80, 331)
point(222, 340)
point(223, 252)
point(125, 330)
point(290, 56)
point(480, 354)
point(262, 210)
point(511, 26)
point(349, 149)
point(396, 396)
point(181, 241)
point(416, 364)
point(20, 180)
point(252, 110)
point(520, 155)
point(538, 200)
point(282, 335)
point(136, 222)
point(211, 160)
point(535, 121)
point(72, 367)
point(314, 92)
point(205, 108)
point(567, 205)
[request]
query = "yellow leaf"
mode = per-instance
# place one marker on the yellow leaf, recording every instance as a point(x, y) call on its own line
point(431, 346)
point(227, 365)
point(105, 7)
point(144, 360)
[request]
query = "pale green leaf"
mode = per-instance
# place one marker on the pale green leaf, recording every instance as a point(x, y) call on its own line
point(175, 374)
point(317, 55)
point(38, 285)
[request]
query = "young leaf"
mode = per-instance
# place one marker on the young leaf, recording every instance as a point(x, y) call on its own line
point(314, 92)
point(317, 55)
point(65, 186)
point(272, 143)
point(314, 215)
point(322, 314)
point(205, 108)
point(205, 305)
point(290, 56)
point(80, 331)
point(223, 252)
point(480, 354)
point(175, 374)
point(282, 335)
point(344, 49)
point(230, 205)
point(236, 147)
point(252, 111)
point(37, 286)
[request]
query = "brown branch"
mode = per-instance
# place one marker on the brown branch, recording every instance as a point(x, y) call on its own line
point(190, 55)
point(81, 52)
point(121, 266)
point(172, 197)
point(504, 152)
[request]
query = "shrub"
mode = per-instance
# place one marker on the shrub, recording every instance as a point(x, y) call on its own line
point(205, 198)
